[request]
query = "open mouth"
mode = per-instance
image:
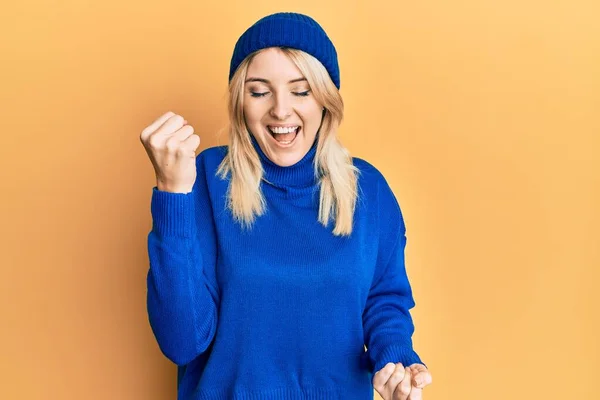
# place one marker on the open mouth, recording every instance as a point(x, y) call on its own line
point(284, 136)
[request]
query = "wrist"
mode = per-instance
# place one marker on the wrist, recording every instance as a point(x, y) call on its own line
point(164, 187)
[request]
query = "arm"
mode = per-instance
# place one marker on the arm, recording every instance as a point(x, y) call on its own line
point(181, 301)
point(387, 322)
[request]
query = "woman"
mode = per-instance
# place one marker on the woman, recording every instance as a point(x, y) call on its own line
point(276, 259)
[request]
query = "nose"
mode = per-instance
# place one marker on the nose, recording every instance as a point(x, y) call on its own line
point(282, 107)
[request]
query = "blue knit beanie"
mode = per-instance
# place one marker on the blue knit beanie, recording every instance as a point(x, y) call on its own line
point(285, 29)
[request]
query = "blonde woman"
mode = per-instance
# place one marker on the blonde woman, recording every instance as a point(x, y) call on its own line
point(276, 259)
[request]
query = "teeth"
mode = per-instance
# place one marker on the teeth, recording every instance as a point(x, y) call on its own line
point(283, 130)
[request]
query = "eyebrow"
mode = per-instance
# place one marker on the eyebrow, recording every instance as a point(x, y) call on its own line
point(268, 82)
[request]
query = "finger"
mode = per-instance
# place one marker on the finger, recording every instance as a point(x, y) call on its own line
point(394, 381)
point(422, 379)
point(192, 144)
point(395, 377)
point(154, 126)
point(416, 367)
point(421, 376)
point(415, 394)
point(402, 390)
point(384, 373)
point(183, 133)
point(381, 377)
point(171, 125)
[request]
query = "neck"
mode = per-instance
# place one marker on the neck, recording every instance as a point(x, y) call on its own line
point(300, 174)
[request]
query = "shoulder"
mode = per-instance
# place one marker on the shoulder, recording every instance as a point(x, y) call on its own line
point(374, 185)
point(369, 175)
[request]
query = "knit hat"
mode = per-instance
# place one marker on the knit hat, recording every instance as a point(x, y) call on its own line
point(286, 29)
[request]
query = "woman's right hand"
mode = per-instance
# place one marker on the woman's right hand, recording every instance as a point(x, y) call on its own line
point(171, 145)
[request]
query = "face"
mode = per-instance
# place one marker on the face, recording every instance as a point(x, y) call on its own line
point(279, 108)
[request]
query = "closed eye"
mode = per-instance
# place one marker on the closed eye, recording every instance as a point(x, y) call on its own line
point(300, 94)
point(254, 94)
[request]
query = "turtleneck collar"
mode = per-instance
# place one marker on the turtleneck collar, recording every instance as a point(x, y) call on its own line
point(301, 174)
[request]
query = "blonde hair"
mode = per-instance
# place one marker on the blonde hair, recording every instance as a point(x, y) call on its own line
point(334, 170)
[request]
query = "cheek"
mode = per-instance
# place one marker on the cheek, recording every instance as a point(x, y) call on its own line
point(249, 115)
point(253, 113)
point(310, 110)
point(312, 117)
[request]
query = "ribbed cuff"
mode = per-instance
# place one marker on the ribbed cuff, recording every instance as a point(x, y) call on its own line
point(396, 354)
point(318, 393)
point(172, 213)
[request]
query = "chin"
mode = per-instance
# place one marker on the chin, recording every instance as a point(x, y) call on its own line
point(288, 160)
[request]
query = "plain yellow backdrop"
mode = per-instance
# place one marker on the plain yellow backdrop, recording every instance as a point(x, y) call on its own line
point(482, 115)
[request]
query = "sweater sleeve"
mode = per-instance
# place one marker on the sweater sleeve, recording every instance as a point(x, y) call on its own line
point(181, 301)
point(387, 322)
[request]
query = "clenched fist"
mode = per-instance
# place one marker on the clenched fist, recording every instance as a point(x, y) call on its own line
point(395, 382)
point(171, 146)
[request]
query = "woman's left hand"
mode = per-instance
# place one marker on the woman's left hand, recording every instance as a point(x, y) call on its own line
point(395, 382)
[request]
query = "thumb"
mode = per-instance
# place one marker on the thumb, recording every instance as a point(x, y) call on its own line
point(421, 379)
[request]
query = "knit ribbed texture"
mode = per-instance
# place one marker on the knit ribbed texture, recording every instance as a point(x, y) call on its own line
point(299, 175)
point(283, 394)
point(174, 213)
point(293, 30)
point(396, 352)
point(284, 310)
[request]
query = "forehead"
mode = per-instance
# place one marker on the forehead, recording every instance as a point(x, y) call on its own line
point(274, 65)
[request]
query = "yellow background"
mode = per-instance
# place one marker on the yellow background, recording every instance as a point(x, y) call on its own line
point(482, 115)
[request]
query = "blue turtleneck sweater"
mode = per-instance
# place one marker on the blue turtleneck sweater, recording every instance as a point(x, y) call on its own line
point(284, 310)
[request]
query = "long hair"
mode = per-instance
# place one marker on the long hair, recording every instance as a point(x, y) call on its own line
point(336, 174)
